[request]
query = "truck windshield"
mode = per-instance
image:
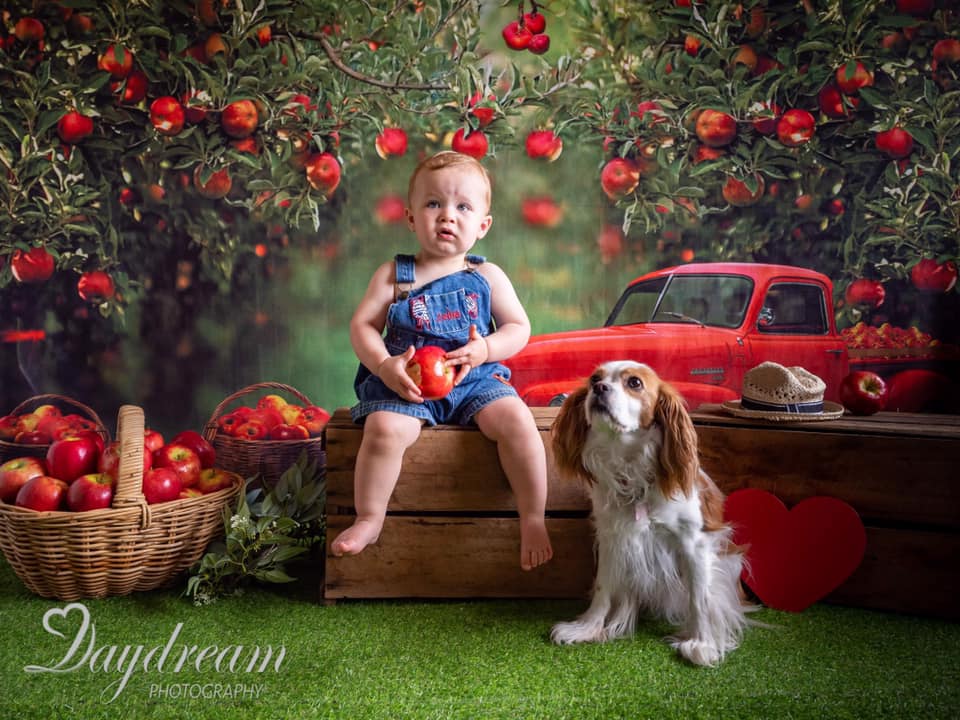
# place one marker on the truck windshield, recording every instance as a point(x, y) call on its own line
point(717, 300)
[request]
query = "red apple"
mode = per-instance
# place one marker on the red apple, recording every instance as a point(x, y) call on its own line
point(43, 493)
point(692, 45)
point(109, 461)
point(833, 103)
point(865, 292)
point(737, 193)
point(74, 126)
point(182, 460)
point(8, 427)
point(199, 444)
point(946, 51)
point(217, 185)
point(430, 373)
point(152, 439)
point(275, 402)
point(229, 422)
point(86, 432)
point(32, 437)
point(161, 484)
point(796, 127)
point(28, 30)
point(715, 128)
point(863, 392)
point(315, 418)
point(484, 112)
point(931, 276)
point(283, 431)
point(239, 119)
point(251, 430)
point(391, 209)
point(166, 115)
point(134, 88)
point(116, 60)
point(765, 117)
point(323, 172)
point(544, 144)
point(213, 479)
point(15, 473)
point(619, 177)
point(895, 142)
point(392, 142)
point(34, 265)
point(539, 44)
point(474, 143)
point(71, 457)
point(535, 22)
point(516, 36)
point(95, 286)
point(853, 76)
point(91, 492)
point(292, 414)
point(541, 211)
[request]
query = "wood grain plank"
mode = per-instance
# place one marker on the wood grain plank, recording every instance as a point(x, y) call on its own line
point(455, 557)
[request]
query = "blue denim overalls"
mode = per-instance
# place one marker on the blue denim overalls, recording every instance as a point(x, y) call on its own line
point(439, 313)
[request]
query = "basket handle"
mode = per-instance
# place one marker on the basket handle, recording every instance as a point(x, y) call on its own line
point(129, 492)
point(70, 401)
point(210, 429)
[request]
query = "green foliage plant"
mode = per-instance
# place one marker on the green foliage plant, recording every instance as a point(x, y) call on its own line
point(263, 533)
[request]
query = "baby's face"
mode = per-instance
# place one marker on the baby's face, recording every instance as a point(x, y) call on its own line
point(449, 210)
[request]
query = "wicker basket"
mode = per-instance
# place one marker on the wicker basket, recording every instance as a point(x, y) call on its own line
point(131, 546)
point(10, 450)
point(266, 458)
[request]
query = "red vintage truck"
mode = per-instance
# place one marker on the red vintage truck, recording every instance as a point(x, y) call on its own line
point(703, 325)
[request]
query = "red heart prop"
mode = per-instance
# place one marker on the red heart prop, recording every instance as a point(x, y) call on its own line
point(795, 557)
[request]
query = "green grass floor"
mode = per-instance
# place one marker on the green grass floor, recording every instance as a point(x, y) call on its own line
point(464, 659)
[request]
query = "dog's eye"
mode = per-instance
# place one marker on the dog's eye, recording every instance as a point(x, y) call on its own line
point(634, 383)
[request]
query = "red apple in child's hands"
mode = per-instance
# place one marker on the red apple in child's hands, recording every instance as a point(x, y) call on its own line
point(71, 457)
point(199, 444)
point(213, 479)
point(863, 392)
point(161, 484)
point(90, 492)
point(15, 473)
point(182, 460)
point(42, 493)
point(430, 373)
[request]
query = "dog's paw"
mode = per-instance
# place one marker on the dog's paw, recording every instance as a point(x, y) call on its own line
point(698, 652)
point(567, 633)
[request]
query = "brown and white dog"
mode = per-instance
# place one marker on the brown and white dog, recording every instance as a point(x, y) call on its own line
point(662, 546)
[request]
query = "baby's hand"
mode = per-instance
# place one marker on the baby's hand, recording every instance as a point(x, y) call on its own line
point(393, 372)
point(473, 354)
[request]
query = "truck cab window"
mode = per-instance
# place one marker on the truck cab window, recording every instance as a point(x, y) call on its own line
point(794, 309)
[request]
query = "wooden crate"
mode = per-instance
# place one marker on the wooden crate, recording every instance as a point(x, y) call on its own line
point(452, 530)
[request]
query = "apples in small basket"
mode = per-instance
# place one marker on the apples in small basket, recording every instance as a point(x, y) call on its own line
point(273, 418)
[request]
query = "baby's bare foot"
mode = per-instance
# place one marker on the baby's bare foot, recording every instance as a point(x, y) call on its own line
point(356, 537)
point(535, 548)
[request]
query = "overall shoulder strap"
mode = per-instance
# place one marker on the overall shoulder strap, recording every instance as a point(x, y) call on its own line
point(404, 267)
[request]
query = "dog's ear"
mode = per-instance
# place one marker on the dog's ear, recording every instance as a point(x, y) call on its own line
point(569, 435)
point(679, 456)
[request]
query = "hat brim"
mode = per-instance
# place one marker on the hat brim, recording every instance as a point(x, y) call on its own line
point(831, 411)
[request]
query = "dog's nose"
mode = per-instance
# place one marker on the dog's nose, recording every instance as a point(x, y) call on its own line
point(600, 388)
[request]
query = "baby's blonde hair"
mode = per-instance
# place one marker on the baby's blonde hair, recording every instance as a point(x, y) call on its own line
point(446, 159)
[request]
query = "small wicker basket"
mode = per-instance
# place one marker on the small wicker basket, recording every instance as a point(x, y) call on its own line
point(10, 450)
point(266, 458)
point(131, 546)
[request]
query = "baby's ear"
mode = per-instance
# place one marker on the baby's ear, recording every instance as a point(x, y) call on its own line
point(485, 226)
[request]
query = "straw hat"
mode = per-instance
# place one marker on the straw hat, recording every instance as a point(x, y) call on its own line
point(783, 394)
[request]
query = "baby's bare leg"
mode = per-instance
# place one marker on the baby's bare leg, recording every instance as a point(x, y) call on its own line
point(510, 425)
point(386, 436)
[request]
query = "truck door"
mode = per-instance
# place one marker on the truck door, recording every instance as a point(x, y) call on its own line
point(794, 328)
